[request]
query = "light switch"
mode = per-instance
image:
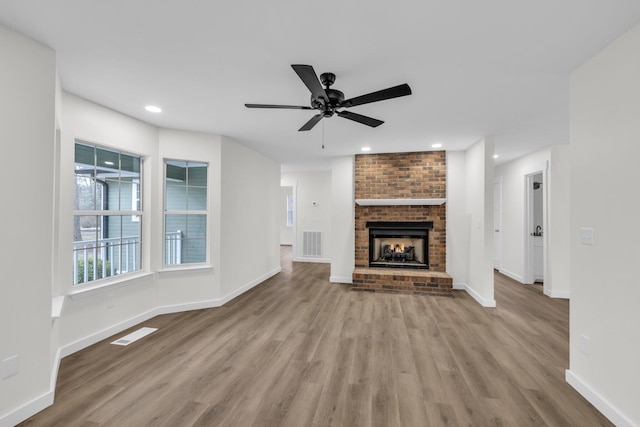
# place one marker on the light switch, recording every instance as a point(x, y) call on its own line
point(586, 236)
point(585, 344)
point(9, 367)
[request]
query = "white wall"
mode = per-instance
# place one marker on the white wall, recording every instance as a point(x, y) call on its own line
point(250, 234)
point(311, 187)
point(458, 219)
point(558, 225)
point(203, 284)
point(605, 148)
point(479, 208)
point(88, 313)
point(27, 106)
point(342, 249)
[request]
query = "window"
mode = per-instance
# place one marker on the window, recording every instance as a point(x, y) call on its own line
point(107, 215)
point(135, 199)
point(290, 210)
point(185, 218)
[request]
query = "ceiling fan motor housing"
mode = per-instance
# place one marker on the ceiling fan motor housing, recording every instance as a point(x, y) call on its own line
point(327, 79)
point(335, 98)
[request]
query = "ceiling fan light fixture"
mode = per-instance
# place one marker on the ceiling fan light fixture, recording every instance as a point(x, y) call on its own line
point(329, 102)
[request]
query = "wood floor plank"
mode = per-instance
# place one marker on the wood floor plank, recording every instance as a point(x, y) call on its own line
point(298, 350)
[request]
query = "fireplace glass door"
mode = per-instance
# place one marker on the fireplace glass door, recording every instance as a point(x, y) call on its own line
point(399, 244)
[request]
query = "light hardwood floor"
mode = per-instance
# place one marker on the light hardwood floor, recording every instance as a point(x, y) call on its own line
point(300, 351)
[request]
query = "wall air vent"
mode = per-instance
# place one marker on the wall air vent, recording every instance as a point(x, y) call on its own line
point(134, 336)
point(312, 243)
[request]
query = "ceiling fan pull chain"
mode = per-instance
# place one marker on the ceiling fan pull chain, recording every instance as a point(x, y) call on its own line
point(323, 134)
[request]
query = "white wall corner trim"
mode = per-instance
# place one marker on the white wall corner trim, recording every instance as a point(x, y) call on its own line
point(312, 259)
point(339, 279)
point(489, 303)
point(459, 286)
point(601, 404)
point(511, 275)
point(557, 294)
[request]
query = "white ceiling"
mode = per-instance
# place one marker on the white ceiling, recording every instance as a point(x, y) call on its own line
point(476, 68)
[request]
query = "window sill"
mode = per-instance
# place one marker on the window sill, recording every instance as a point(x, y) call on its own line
point(106, 285)
point(186, 268)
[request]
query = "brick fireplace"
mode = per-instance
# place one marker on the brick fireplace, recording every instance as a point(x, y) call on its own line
point(403, 188)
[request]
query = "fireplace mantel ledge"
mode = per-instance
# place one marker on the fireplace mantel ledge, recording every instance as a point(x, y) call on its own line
point(399, 202)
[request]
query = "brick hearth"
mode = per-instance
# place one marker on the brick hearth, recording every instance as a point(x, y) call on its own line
point(402, 281)
point(401, 176)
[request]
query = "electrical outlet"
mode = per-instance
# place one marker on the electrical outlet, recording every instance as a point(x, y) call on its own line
point(585, 344)
point(586, 236)
point(10, 367)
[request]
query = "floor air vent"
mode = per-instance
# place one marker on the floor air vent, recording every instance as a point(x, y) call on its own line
point(134, 336)
point(312, 243)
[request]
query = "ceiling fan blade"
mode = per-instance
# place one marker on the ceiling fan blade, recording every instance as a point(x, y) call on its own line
point(360, 118)
point(287, 107)
point(311, 123)
point(381, 95)
point(310, 79)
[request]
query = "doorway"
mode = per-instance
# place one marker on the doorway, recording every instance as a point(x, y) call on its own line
point(535, 228)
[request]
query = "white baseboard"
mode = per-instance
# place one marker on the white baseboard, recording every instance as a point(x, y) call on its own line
point(312, 259)
point(557, 294)
point(600, 403)
point(85, 342)
point(340, 279)
point(511, 275)
point(33, 407)
point(489, 303)
point(459, 286)
point(25, 411)
point(483, 301)
point(218, 302)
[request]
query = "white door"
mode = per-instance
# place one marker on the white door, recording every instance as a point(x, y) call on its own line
point(497, 223)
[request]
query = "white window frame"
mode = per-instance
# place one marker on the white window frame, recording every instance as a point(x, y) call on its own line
point(136, 199)
point(106, 213)
point(290, 210)
point(165, 212)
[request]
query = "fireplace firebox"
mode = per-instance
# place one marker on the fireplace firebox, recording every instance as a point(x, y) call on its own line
point(399, 244)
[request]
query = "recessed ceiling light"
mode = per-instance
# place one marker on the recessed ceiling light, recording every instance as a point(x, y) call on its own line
point(436, 145)
point(108, 163)
point(365, 149)
point(153, 109)
point(495, 156)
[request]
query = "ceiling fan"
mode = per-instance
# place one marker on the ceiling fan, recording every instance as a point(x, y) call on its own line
point(329, 101)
